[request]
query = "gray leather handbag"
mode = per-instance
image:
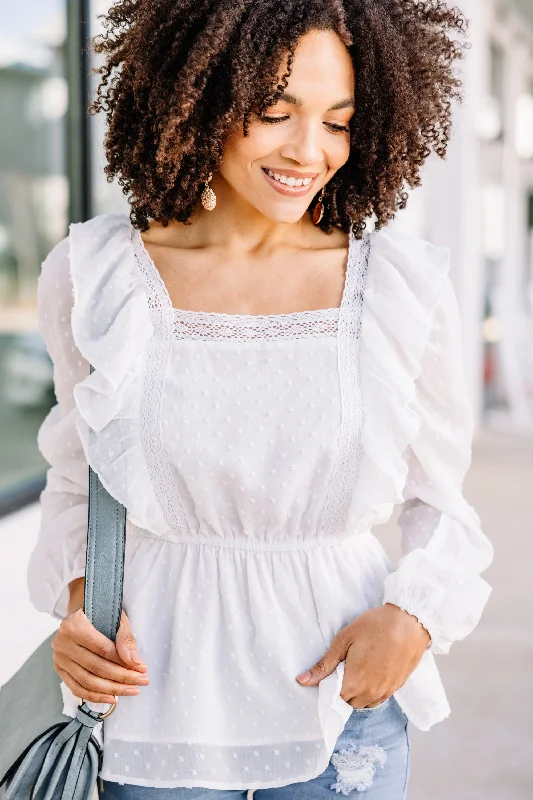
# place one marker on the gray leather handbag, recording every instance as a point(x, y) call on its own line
point(45, 755)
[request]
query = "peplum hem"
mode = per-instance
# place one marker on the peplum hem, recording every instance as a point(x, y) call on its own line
point(111, 327)
point(249, 668)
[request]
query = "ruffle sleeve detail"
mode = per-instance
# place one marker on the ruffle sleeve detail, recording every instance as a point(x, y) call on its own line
point(59, 554)
point(404, 282)
point(111, 327)
point(417, 435)
point(438, 579)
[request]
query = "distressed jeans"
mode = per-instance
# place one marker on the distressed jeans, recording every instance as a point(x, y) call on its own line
point(371, 757)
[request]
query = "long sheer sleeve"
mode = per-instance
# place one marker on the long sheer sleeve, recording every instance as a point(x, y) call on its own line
point(59, 556)
point(444, 549)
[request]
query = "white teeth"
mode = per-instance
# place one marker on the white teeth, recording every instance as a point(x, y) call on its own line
point(289, 181)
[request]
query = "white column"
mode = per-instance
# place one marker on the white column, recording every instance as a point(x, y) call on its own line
point(454, 198)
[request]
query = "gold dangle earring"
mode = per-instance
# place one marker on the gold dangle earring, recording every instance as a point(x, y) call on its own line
point(209, 198)
point(318, 211)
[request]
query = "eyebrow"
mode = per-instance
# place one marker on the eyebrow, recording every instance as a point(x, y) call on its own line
point(348, 102)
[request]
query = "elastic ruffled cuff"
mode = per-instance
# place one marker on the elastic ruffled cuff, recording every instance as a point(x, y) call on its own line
point(424, 600)
point(449, 613)
point(425, 619)
point(60, 608)
point(50, 592)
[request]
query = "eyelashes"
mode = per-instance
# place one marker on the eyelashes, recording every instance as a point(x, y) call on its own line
point(331, 125)
point(343, 128)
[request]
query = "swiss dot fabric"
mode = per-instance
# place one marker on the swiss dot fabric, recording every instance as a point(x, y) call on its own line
point(254, 455)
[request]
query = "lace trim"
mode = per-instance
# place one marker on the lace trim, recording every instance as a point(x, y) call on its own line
point(154, 369)
point(350, 449)
point(213, 326)
point(348, 326)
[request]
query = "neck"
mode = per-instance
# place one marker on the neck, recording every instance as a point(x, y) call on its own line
point(236, 225)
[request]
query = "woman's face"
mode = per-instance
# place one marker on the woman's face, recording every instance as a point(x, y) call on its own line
point(303, 137)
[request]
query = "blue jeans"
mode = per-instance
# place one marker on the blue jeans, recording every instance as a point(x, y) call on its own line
point(371, 755)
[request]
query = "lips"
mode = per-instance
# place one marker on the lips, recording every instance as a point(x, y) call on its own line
point(287, 190)
point(291, 173)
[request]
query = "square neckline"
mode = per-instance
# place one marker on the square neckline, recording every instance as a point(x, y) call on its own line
point(327, 314)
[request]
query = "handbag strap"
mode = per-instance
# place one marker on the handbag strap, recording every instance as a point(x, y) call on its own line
point(104, 565)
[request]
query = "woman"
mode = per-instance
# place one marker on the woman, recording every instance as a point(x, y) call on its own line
point(269, 380)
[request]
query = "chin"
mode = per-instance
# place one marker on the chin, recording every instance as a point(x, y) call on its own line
point(284, 215)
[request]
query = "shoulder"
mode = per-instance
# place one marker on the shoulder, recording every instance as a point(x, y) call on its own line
point(93, 236)
point(54, 285)
point(406, 273)
point(407, 285)
point(101, 223)
point(406, 252)
point(89, 278)
point(90, 234)
point(70, 255)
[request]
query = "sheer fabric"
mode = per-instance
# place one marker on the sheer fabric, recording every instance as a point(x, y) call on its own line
point(254, 455)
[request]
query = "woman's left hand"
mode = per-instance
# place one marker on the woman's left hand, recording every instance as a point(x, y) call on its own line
point(381, 648)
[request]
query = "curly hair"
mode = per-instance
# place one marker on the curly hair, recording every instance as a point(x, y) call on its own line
point(180, 75)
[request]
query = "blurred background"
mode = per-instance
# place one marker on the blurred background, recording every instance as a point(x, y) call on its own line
point(479, 202)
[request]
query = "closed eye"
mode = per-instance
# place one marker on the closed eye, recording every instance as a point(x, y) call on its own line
point(331, 125)
point(337, 127)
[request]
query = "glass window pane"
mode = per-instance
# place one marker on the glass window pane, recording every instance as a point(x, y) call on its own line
point(33, 218)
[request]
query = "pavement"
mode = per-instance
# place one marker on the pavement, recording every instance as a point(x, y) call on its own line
point(485, 749)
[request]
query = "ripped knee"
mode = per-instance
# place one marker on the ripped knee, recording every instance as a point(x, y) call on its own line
point(356, 767)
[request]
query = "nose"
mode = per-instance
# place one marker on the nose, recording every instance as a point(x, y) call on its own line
point(304, 146)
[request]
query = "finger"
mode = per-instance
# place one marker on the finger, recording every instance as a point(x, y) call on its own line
point(356, 701)
point(377, 702)
point(77, 627)
point(126, 644)
point(324, 666)
point(93, 683)
point(100, 667)
point(78, 690)
point(362, 700)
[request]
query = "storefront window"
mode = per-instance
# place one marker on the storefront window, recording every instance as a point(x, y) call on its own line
point(33, 218)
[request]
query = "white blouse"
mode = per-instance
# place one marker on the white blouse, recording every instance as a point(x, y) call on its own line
point(254, 454)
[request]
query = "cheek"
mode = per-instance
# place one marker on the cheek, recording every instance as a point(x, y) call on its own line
point(241, 151)
point(338, 152)
point(265, 139)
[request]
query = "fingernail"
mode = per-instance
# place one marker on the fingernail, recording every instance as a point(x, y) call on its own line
point(131, 690)
point(134, 655)
point(143, 681)
point(304, 677)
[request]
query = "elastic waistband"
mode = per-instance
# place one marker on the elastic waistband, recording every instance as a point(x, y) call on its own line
point(350, 539)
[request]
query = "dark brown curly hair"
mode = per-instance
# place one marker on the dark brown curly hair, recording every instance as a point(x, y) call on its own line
point(179, 75)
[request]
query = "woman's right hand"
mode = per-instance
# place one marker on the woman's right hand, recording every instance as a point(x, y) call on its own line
point(92, 666)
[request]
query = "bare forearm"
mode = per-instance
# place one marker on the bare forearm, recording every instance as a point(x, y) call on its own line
point(77, 589)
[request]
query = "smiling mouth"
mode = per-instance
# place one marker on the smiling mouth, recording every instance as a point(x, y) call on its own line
point(289, 185)
point(290, 179)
